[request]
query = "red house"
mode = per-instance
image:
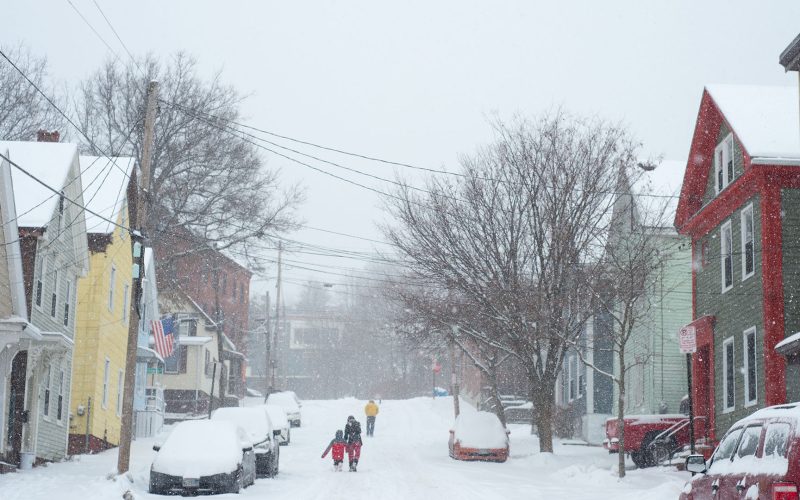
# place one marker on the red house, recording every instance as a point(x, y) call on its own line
point(740, 204)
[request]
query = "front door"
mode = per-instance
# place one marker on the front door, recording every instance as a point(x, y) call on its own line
point(16, 406)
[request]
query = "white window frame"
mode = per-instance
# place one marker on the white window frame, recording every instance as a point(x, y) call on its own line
point(746, 365)
point(723, 153)
point(571, 379)
point(726, 360)
point(747, 212)
point(111, 285)
point(106, 374)
point(120, 386)
point(60, 398)
point(54, 292)
point(38, 291)
point(125, 292)
point(67, 299)
point(47, 391)
point(727, 226)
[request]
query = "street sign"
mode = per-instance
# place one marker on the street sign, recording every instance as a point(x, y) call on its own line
point(158, 370)
point(687, 339)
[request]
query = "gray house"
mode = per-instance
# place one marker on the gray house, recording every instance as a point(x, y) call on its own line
point(53, 252)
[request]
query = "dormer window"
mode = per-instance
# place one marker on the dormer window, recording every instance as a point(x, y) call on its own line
point(723, 163)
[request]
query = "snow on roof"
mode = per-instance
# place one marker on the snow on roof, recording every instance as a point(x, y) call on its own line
point(480, 430)
point(50, 162)
point(105, 182)
point(765, 119)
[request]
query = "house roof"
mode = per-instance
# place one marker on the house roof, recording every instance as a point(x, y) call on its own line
point(50, 162)
point(766, 120)
point(105, 181)
point(790, 57)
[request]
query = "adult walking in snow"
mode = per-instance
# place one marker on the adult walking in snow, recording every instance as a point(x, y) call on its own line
point(371, 410)
point(352, 436)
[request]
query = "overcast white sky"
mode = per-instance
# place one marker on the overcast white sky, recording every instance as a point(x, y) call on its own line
point(415, 81)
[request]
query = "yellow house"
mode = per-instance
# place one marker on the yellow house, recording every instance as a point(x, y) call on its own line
point(103, 310)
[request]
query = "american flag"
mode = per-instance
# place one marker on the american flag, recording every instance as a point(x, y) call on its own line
point(162, 333)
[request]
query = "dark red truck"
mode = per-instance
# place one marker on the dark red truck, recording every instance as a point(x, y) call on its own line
point(653, 439)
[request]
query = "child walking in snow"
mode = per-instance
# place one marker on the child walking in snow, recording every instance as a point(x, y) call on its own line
point(336, 447)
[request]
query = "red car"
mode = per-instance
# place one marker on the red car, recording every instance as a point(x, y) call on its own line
point(479, 436)
point(758, 458)
point(651, 439)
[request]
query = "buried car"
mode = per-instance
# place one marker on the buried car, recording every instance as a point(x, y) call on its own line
point(758, 458)
point(256, 423)
point(280, 422)
point(203, 456)
point(289, 402)
point(478, 436)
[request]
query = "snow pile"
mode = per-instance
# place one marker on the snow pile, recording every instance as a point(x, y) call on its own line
point(200, 448)
point(253, 420)
point(480, 430)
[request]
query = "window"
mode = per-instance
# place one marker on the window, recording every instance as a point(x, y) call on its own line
point(54, 294)
point(750, 373)
point(776, 440)
point(67, 299)
point(208, 363)
point(728, 388)
point(125, 291)
point(60, 396)
point(726, 447)
point(106, 373)
point(749, 442)
point(572, 382)
point(112, 283)
point(723, 163)
point(171, 363)
point(46, 382)
point(41, 271)
point(120, 387)
point(748, 243)
point(726, 254)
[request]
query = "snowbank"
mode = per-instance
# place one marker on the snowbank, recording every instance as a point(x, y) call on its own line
point(480, 430)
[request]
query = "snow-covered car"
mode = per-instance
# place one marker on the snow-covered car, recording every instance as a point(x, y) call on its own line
point(478, 436)
point(203, 456)
point(277, 416)
point(289, 402)
point(258, 426)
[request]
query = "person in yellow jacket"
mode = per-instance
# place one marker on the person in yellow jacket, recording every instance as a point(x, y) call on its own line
point(371, 410)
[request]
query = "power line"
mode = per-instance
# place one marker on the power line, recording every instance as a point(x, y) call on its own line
point(92, 28)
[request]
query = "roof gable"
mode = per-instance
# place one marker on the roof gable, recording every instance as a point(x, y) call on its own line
point(105, 183)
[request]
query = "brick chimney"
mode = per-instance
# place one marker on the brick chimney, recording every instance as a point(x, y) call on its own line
point(45, 136)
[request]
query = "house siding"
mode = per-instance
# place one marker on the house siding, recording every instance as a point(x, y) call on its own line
point(790, 227)
point(735, 311)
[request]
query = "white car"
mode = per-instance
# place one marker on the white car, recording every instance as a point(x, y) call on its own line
point(264, 438)
point(203, 456)
point(279, 422)
point(289, 402)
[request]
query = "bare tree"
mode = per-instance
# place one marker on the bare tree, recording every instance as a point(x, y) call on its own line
point(23, 110)
point(639, 244)
point(520, 235)
point(205, 179)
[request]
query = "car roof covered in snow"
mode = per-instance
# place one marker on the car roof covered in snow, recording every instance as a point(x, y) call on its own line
point(791, 410)
point(766, 119)
point(480, 429)
point(277, 415)
point(198, 448)
point(286, 400)
point(253, 420)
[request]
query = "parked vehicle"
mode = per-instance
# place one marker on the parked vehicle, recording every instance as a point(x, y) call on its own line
point(279, 422)
point(257, 424)
point(203, 456)
point(289, 402)
point(652, 439)
point(478, 436)
point(519, 414)
point(758, 458)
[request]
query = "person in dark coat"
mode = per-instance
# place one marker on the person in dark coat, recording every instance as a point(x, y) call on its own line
point(352, 436)
point(336, 447)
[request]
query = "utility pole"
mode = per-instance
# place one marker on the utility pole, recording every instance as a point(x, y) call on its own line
point(267, 346)
point(137, 239)
point(277, 316)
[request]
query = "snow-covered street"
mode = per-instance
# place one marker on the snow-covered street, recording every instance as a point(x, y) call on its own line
point(407, 458)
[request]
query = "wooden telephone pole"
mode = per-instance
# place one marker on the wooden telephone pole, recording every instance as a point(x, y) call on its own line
point(137, 239)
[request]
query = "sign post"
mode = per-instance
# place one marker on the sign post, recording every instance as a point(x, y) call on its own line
point(687, 342)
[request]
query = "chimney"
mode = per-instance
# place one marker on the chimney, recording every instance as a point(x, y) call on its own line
point(45, 136)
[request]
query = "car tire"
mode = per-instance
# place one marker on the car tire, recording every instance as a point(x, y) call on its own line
point(238, 482)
